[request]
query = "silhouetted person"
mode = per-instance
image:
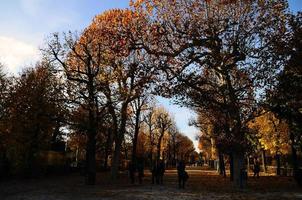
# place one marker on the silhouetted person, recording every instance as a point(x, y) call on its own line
point(160, 172)
point(256, 168)
point(132, 169)
point(182, 174)
point(140, 170)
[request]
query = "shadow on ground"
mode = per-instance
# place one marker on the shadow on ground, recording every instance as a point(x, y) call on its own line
point(202, 185)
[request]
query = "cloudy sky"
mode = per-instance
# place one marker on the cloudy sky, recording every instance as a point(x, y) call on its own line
point(25, 24)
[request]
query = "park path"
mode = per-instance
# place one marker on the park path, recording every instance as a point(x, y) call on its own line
point(202, 185)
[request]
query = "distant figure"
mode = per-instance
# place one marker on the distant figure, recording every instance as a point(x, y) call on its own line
point(160, 170)
point(182, 174)
point(132, 170)
point(256, 168)
point(140, 170)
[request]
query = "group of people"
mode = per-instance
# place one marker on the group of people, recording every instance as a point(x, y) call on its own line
point(158, 170)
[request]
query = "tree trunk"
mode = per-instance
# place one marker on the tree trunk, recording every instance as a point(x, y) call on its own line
point(159, 146)
point(91, 147)
point(239, 177)
point(136, 132)
point(278, 173)
point(151, 158)
point(231, 167)
point(294, 159)
point(108, 146)
point(295, 163)
point(158, 150)
point(174, 152)
point(221, 165)
point(151, 148)
point(118, 143)
point(116, 159)
point(125, 149)
point(90, 159)
point(248, 164)
point(92, 132)
point(263, 160)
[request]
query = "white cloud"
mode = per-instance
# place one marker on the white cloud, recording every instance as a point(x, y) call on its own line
point(15, 54)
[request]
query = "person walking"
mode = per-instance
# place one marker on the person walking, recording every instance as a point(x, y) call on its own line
point(256, 168)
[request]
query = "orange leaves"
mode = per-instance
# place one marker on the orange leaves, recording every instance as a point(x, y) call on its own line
point(114, 29)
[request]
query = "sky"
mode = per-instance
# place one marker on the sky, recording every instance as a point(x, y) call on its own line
point(25, 25)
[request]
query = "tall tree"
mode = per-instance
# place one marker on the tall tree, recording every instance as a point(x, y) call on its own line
point(80, 59)
point(285, 99)
point(150, 130)
point(32, 116)
point(105, 70)
point(220, 52)
point(163, 122)
point(4, 91)
point(137, 108)
point(128, 71)
point(273, 136)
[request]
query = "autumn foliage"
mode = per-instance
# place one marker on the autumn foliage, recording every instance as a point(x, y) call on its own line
point(222, 59)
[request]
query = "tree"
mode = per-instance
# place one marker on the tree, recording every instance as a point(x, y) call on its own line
point(285, 98)
point(148, 119)
point(272, 135)
point(3, 95)
point(213, 137)
point(137, 108)
point(220, 57)
point(184, 148)
point(163, 123)
point(80, 59)
point(173, 144)
point(105, 71)
point(33, 112)
point(128, 72)
point(4, 91)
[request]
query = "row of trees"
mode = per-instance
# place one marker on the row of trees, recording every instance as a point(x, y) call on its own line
point(32, 113)
point(39, 114)
point(223, 59)
point(220, 58)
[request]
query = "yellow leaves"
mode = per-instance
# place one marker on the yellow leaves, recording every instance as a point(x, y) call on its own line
point(272, 133)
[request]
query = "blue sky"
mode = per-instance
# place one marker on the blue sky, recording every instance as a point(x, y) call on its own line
point(25, 24)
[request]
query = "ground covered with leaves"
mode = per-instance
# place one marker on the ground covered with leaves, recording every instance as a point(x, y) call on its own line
point(202, 184)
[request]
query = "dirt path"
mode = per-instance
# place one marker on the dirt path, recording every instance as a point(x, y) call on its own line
point(202, 185)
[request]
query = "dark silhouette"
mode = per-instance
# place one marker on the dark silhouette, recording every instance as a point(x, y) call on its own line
point(256, 168)
point(132, 170)
point(182, 174)
point(160, 170)
point(140, 170)
point(153, 171)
